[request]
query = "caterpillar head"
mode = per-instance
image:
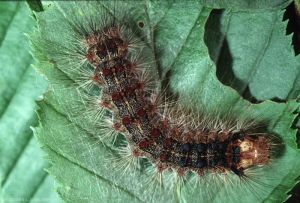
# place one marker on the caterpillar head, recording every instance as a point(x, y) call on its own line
point(248, 151)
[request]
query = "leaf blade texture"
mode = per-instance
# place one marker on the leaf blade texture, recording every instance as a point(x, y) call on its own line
point(181, 55)
point(20, 86)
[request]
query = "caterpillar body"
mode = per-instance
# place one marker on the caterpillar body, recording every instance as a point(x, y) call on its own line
point(157, 138)
point(114, 71)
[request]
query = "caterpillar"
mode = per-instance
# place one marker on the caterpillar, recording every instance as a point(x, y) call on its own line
point(154, 134)
point(114, 72)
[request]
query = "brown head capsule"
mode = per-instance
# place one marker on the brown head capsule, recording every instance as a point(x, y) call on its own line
point(246, 151)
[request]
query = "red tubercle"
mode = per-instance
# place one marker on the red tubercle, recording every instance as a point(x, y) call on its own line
point(140, 85)
point(90, 56)
point(164, 125)
point(92, 39)
point(181, 172)
point(119, 68)
point(223, 135)
point(199, 172)
point(97, 80)
point(200, 137)
point(116, 96)
point(176, 132)
point(129, 90)
point(118, 127)
point(102, 51)
point(163, 157)
point(106, 104)
point(168, 142)
point(122, 48)
point(151, 109)
point(161, 167)
point(212, 135)
point(189, 136)
point(130, 67)
point(154, 133)
point(106, 71)
point(141, 113)
point(221, 170)
point(126, 120)
point(144, 143)
point(137, 153)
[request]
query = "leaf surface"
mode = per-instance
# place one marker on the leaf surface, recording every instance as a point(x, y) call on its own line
point(79, 161)
point(247, 4)
point(20, 86)
point(236, 5)
point(253, 55)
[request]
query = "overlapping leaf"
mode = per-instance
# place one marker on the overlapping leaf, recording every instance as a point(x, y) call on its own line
point(20, 86)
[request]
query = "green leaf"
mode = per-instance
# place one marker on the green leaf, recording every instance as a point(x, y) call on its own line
point(79, 161)
point(8, 11)
point(247, 4)
point(251, 60)
point(20, 86)
point(297, 4)
point(237, 5)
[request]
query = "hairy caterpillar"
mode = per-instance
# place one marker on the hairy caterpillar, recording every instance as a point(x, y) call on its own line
point(103, 51)
point(174, 144)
